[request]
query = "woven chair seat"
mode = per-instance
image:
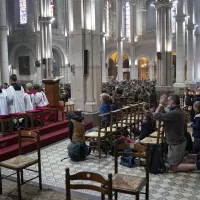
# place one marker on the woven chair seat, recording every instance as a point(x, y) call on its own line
point(18, 162)
point(128, 182)
point(94, 135)
point(150, 140)
point(119, 125)
point(108, 129)
point(155, 134)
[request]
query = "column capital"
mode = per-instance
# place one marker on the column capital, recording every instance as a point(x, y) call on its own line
point(45, 20)
point(3, 28)
point(190, 27)
point(180, 18)
point(162, 3)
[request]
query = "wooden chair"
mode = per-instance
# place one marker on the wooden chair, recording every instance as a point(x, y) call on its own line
point(33, 115)
point(17, 116)
point(46, 112)
point(21, 162)
point(106, 189)
point(121, 119)
point(156, 137)
point(126, 183)
point(4, 119)
point(102, 135)
point(56, 110)
point(69, 108)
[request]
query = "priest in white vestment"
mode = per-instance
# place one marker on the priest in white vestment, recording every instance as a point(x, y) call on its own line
point(3, 102)
point(15, 94)
point(29, 98)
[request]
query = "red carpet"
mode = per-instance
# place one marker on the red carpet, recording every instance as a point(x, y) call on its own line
point(49, 134)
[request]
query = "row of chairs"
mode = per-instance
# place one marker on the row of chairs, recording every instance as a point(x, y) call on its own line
point(114, 123)
point(116, 183)
point(32, 115)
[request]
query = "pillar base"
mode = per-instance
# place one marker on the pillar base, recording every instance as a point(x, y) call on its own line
point(198, 82)
point(164, 90)
point(179, 88)
point(91, 117)
point(191, 85)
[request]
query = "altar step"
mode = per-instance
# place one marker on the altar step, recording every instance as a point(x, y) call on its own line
point(49, 134)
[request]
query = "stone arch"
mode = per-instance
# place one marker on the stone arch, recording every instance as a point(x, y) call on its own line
point(143, 68)
point(22, 60)
point(111, 52)
point(113, 67)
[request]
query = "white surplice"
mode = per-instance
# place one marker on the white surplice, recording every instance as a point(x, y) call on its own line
point(29, 101)
point(16, 100)
point(41, 99)
point(3, 103)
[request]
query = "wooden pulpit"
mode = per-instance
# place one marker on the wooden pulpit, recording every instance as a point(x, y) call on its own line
point(52, 90)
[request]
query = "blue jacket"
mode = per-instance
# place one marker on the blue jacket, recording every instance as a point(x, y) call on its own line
point(105, 108)
point(196, 127)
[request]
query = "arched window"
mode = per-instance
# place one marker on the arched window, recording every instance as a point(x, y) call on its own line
point(128, 20)
point(174, 10)
point(23, 11)
point(52, 8)
point(107, 18)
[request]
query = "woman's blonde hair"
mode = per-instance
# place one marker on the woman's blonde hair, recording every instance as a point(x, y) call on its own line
point(105, 97)
point(196, 107)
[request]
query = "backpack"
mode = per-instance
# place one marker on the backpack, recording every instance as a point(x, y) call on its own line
point(157, 164)
point(127, 161)
point(77, 151)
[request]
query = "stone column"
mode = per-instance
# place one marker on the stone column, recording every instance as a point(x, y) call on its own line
point(45, 20)
point(104, 8)
point(3, 44)
point(180, 45)
point(119, 7)
point(197, 33)
point(133, 74)
point(85, 34)
point(164, 44)
point(190, 44)
point(151, 71)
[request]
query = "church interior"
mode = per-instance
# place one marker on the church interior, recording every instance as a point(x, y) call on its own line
point(99, 99)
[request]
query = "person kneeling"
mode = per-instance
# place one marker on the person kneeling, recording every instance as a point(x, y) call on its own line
point(77, 149)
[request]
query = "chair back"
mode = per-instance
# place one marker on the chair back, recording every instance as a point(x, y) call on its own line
point(105, 187)
point(137, 150)
point(29, 136)
point(104, 122)
point(160, 135)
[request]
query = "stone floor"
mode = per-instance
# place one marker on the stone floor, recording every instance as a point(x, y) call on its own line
point(180, 186)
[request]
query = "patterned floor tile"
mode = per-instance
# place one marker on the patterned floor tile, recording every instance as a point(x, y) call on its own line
point(179, 186)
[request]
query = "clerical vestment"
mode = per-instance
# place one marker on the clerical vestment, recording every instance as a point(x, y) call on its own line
point(16, 102)
point(41, 99)
point(29, 101)
point(3, 102)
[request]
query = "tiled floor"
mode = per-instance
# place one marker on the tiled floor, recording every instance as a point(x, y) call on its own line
point(180, 186)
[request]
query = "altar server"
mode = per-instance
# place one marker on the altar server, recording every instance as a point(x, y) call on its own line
point(15, 94)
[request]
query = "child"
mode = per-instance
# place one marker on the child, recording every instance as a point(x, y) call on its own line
point(146, 127)
point(196, 127)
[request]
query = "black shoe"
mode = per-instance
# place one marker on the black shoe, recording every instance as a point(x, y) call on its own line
point(198, 165)
point(198, 156)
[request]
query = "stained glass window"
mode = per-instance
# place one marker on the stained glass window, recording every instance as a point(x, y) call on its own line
point(23, 11)
point(174, 10)
point(107, 18)
point(128, 20)
point(52, 8)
